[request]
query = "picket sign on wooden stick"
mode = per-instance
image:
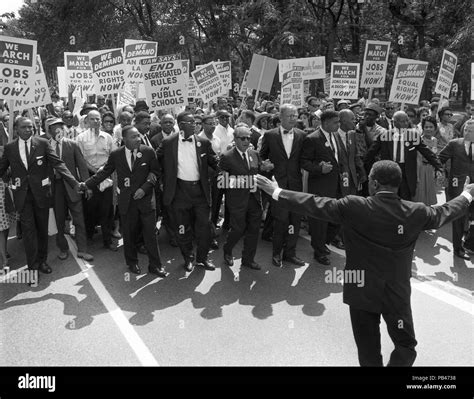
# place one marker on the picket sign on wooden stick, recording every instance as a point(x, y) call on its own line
point(260, 80)
point(11, 120)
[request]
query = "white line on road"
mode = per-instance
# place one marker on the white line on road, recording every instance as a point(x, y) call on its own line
point(138, 346)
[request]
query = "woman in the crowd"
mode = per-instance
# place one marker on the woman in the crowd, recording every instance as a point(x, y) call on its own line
point(303, 115)
point(426, 185)
point(7, 213)
point(445, 131)
point(421, 114)
point(108, 122)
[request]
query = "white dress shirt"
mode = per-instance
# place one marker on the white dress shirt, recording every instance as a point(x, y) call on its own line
point(343, 136)
point(330, 139)
point(225, 136)
point(128, 155)
point(215, 142)
point(467, 144)
point(188, 168)
point(287, 140)
point(55, 144)
point(21, 147)
point(96, 149)
point(246, 156)
point(398, 140)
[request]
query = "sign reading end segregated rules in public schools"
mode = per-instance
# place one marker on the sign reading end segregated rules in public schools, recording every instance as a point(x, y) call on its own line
point(17, 68)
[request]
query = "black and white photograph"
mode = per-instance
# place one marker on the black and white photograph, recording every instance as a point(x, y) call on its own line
point(264, 192)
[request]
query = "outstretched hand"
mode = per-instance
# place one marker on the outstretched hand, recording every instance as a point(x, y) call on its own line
point(468, 186)
point(266, 185)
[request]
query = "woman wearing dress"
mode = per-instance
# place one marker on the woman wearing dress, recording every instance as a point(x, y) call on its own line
point(426, 185)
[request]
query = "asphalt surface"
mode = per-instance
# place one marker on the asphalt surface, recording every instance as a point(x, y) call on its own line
point(99, 315)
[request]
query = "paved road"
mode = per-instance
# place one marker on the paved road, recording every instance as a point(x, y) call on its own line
point(99, 315)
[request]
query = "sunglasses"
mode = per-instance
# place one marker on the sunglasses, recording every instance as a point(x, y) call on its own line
point(448, 114)
point(244, 138)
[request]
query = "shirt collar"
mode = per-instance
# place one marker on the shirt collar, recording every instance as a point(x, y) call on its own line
point(282, 129)
point(128, 151)
point(181, 136)
point(27, 141)
point(240, 152)
point(324, 131)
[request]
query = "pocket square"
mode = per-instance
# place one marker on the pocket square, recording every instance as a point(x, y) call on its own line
point(41, 156)
point(143, 164)
point(202, 155)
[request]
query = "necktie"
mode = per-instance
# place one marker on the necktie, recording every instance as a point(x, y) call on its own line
point(58, 150)
point(244, 157)
point(471, 155)
point(27, 152)
point(132, 160)
point(146, 141)
point(330, 142)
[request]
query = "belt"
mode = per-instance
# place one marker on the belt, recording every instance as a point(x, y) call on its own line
point(190, 182)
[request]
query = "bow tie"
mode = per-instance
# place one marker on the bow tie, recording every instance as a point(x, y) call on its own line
point(188, 139)
point(286, 131)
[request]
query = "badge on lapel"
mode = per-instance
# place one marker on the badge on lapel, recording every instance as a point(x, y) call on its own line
point(139, 154)
point(327, 144)
point(40, 162)
point(198, 144)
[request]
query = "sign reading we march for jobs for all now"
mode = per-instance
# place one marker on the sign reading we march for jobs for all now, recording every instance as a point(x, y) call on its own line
point(374, 67)
point(42, 95)
point(17, 68)
point(108, 70)
point(79, 71)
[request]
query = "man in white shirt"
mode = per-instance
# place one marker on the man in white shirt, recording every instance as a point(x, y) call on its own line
point(96, 147)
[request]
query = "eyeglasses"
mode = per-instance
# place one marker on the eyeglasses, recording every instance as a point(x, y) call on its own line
point(448, 114)
point(244, 138)
point(190, 123)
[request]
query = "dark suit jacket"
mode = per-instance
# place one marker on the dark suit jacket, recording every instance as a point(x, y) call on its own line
point(461, 166)
point(374, 247)
point(157, 139)
point(383, 145)
point(232, 163)
point(287, 171)
point(316, 149)
point(254, 137)
point(168, 158)
point(72, 156)
point(128, 182)
point(350, 164)
point(42, 157)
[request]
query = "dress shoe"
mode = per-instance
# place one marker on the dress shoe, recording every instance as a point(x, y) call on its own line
point(84, 255)
point(188, 265)
point(338, 244)
point(159, 271)
point(19, 236)
point(63, 255)
point(111, 247)
point(134, 269)
point(326, 250)
point(206, 264)
point(461, 254)
point(295, 260)
point(252, 265)
point(276, 261)
point(229, 260)
point(173, 242)
point(323, 259)
point(141, 249)
point(44, 268)
point(214, 244)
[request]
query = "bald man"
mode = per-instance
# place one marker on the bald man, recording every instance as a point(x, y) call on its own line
point(400, 144)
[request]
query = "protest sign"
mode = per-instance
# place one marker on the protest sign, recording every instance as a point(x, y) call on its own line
point(374, 67)
point(62, 86)
point(135, 51)
point(209, 82)
point(472, 81)
point(165, 82)
point(408, 81)
point(79, 71)
point(313, 67)
point(41, 93)
point(344, 80)
point(446, 74)
point(261, 73)
point(17, 68)
point(243, 87)
point(193, 91)
point(224, 69)
point(327, 82)
point(292, 87)
point(108, 70)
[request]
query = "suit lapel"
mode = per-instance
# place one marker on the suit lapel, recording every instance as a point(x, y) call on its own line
point(280, 142)
point(198, 145)
point(328, 146)
point(33, 146)
point(239, 159)
point(341, 145)
point(174, 152)
point(16, 147)
point(296, 138)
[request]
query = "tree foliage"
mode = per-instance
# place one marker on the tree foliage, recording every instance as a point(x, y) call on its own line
point(205, 30)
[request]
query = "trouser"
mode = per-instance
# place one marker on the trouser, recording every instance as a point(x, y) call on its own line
point(99, 208)
point(286, 228)
point(34, 225)
point(366, 329)
point(245, 222)
point(404, 189)
point(190, 207)
point(62, 204)
point(134, 221)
